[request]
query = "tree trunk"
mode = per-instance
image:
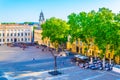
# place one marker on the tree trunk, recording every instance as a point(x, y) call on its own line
point(119, 59)
point(95, 57)
point(55, 63)
point(104, 62)
point(110, 61)
point(91, 60)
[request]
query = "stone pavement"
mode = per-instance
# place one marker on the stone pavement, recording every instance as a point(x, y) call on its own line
point(69, 73)
point(16, 64)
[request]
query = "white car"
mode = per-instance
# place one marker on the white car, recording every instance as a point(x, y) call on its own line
point(62, 54)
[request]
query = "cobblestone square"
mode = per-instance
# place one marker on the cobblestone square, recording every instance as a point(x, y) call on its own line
point(18, 64)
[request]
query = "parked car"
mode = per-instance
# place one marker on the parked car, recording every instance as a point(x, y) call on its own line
point(81, 57)
point(68, 53)
point(62, 53)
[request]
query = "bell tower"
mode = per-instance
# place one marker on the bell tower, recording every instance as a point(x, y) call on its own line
point(41, 19)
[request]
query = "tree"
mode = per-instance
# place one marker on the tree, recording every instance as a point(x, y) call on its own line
point(81, 27)
point(101, 28)
point(56, 30)
point(117, 36)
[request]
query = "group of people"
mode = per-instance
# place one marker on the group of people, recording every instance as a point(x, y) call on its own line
point(21, 45)
point(45, 48)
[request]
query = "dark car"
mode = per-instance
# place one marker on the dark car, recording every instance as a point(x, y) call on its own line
point(68, 53)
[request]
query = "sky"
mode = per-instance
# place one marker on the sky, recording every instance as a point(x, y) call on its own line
point(29, 10)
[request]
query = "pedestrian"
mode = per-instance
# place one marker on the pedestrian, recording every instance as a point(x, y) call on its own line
point(63, 62)
point(33, 59)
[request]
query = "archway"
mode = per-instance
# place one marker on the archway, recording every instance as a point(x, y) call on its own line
point(77, 49)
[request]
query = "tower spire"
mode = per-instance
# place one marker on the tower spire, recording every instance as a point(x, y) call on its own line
point(41, 19)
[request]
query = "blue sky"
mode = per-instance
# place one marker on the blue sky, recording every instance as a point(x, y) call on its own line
point(29, 10)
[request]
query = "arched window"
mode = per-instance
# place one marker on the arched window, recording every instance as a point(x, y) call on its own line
point(28, 39)
point(3, 34)
point(21, 39)
point(11, 34)
point(7, 40)
point(25, 34)
point(11, 40)
point(25, 39)
point(21, 34)
point(14, 34)
point(7, 34)
point(18, 34)
point(28, 34)
point(3, 40)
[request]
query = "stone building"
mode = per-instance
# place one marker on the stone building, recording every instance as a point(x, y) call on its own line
point(12, 33)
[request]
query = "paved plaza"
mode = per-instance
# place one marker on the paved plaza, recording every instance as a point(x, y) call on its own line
point(34, 64)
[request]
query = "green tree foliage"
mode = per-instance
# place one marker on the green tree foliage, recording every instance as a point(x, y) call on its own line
point(104, 31)
point(56, 30)
point(117, 36)
point(9, 23)
point(103, 26)
point(29, 23)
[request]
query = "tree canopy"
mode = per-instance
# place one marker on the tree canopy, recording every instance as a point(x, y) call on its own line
point(103, 26)
point(56, 30)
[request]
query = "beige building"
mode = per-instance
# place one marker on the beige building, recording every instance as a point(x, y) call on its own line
point(38, 36)
point(10, 33)
point(80, 48)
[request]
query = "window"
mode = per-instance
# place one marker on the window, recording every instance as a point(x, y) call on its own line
point(28, 39)
point(28, 34)
point(3, 40)
point(25, 34)
point(3, 34)
point(11, 34)
point(11, 40)
point(14, 34)
point(21, 34)
point(25, 39)
point(21, 39)
point(7, 34)
point(18, 34)
point(7, 40)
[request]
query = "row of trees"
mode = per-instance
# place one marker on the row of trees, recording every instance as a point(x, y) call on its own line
point(100, 28)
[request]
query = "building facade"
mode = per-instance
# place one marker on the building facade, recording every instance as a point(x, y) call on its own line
point(38, 36)
point(12, 33)
point(91, 51)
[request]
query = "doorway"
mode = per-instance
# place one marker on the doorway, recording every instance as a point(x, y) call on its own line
point(77, 49)
point(15, 40)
